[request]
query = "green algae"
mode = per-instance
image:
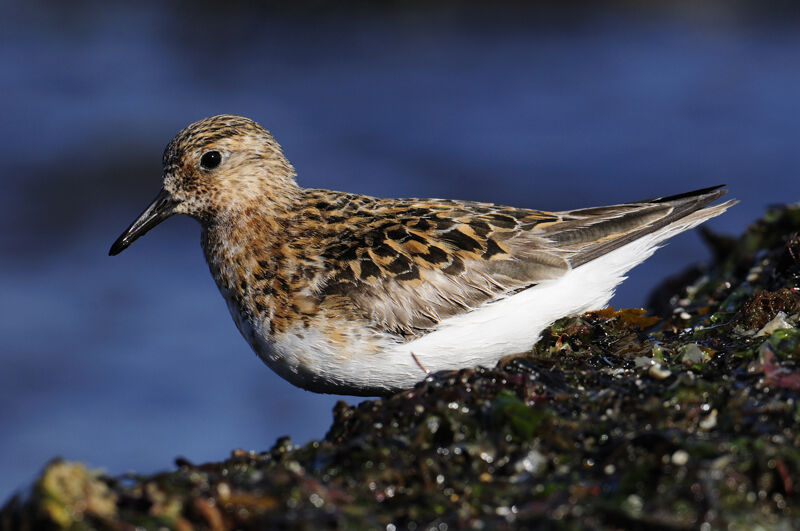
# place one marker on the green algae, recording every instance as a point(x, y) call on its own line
point(614, 420)
point(786, 343)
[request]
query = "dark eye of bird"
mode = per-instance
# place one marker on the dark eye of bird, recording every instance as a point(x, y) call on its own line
point(210, 160)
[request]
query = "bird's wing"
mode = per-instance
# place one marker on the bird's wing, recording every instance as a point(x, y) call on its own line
point(408, 264)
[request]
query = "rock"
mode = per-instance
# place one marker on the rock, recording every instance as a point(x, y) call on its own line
point(614, 420)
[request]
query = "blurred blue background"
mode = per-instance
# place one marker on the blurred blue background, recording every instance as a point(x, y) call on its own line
point(127, 362)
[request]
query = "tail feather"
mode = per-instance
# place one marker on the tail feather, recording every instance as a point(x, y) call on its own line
point(682, 212)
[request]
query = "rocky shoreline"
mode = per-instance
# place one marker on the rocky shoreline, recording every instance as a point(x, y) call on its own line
point(615, 420)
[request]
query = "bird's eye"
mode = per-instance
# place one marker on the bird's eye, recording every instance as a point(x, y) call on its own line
point(210, 160)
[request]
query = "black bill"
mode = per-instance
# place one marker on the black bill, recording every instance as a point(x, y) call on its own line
point(160, 209)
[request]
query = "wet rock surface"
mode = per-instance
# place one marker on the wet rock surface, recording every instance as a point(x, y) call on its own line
point(616, 419)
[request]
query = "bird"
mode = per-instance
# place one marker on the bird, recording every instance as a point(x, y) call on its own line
point(351, 294)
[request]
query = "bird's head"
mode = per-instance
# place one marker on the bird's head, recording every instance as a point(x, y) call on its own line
point(213, 169)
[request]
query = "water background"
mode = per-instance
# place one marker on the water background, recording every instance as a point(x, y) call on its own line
point(128, 362)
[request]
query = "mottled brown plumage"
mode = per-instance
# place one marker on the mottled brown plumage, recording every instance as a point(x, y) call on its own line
point(345, 276)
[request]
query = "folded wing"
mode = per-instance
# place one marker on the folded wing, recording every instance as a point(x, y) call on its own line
point(421, 261)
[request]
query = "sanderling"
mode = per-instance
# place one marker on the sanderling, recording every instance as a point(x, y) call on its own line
point(351, 294)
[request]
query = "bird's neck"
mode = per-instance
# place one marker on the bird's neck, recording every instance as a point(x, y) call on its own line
point(238, 242)
point(245, 251)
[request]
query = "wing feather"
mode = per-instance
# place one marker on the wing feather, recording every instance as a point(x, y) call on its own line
point(408, 264)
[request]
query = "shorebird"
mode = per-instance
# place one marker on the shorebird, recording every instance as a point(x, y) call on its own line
point(351, 294)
